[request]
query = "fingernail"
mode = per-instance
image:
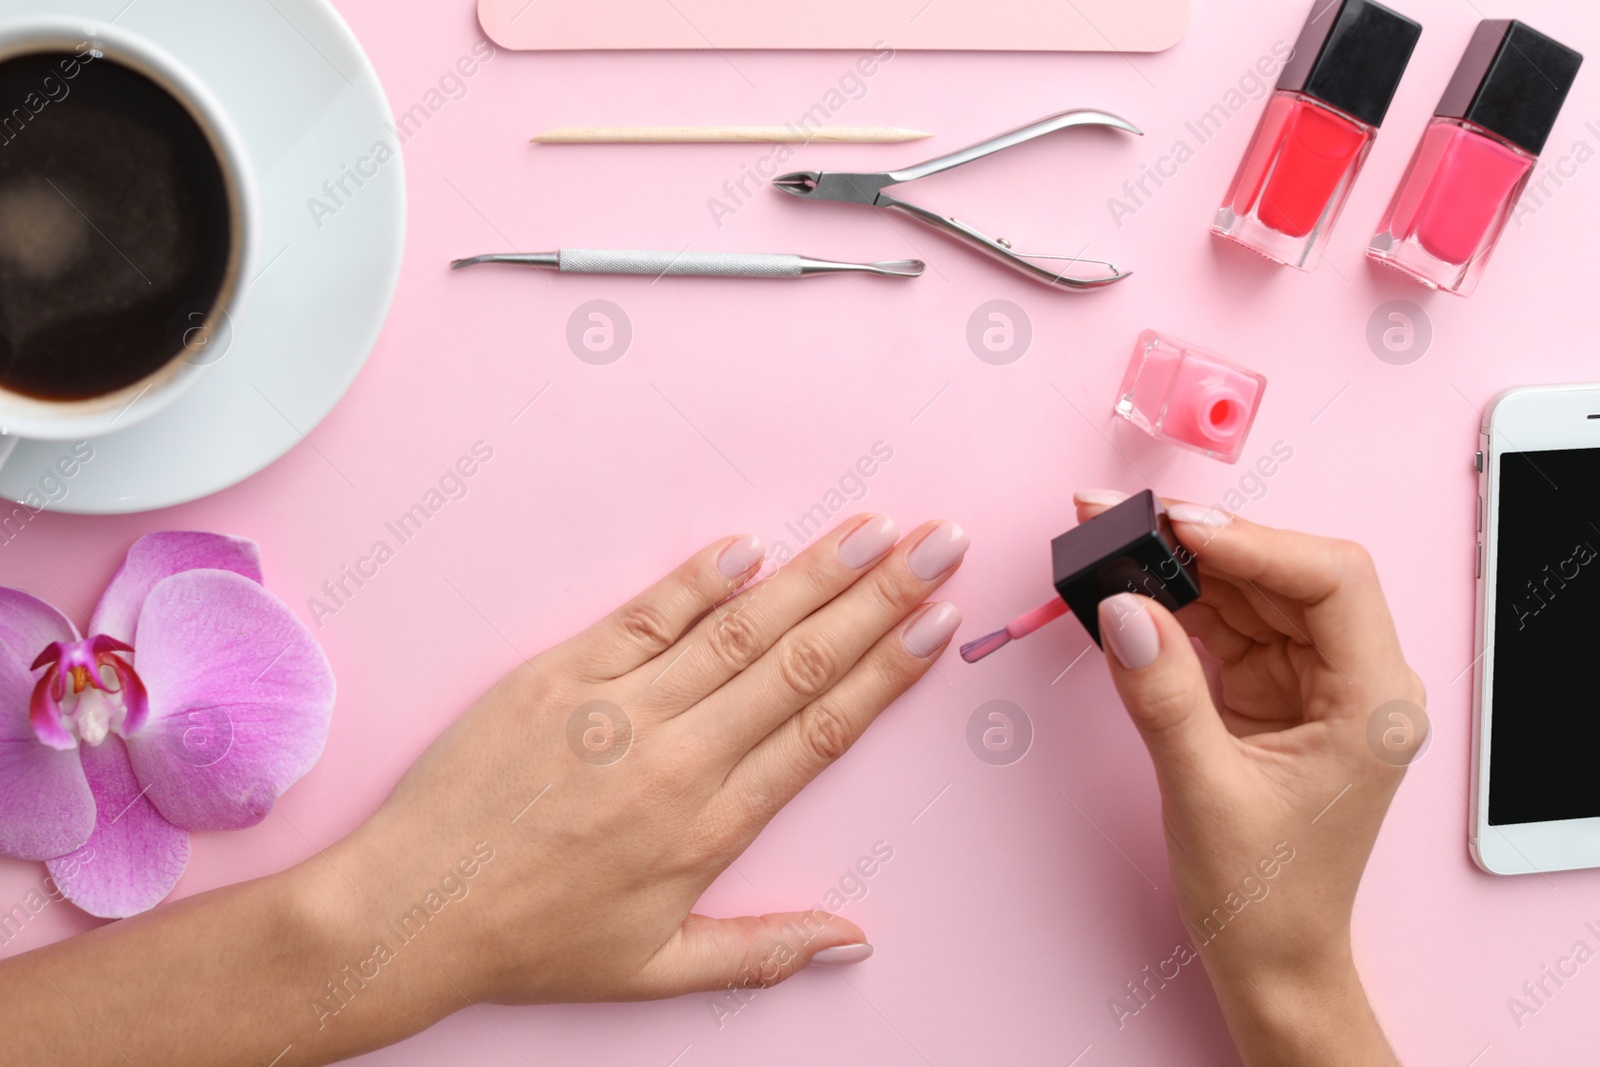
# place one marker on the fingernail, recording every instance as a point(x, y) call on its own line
point(868, 544)
point(939, 551)
point(932, 630)
point(1128, 631)
point(1104, 498)
point(1198, 515)
point(740, 556)
point(839, 955)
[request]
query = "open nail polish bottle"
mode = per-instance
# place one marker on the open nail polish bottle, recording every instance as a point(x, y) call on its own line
point(1129, 548)
point(1318, 128)
point(1476, 156)
point(1185, 395)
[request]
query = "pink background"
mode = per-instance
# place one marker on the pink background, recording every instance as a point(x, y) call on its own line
point(1025, 896)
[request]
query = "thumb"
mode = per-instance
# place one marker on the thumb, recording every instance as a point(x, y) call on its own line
point(1164, 689)
point(751, 952)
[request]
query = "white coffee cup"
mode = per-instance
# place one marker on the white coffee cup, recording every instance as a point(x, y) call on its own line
point(204, 341)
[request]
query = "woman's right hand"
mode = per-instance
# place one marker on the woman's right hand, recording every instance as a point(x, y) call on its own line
point(1272, 793)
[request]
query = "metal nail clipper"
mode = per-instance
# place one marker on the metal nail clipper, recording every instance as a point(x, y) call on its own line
point(870, 189)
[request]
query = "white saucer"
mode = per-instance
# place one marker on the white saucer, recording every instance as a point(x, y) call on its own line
point(309, 106)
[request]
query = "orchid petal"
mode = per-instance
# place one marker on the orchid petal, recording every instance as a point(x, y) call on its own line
point(100, 644)
point(240, 699)
point(135, 698)
point(44, 712)
point(29, 626)
point(134, 857)
point(52, 654)
point(46, 808)
point(158, 555)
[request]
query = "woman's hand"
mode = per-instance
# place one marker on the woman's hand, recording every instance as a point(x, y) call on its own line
point(550, 845)
point(615, 776)
point(1272, 795)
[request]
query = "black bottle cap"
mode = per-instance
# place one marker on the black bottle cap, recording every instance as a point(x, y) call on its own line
point(1512, 82)
point(1129, 548)
point(1351, 55)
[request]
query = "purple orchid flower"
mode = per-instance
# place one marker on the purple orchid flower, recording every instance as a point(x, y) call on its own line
point(196, 699)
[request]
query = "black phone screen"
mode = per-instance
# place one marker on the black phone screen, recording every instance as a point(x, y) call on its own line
point(1545, 734)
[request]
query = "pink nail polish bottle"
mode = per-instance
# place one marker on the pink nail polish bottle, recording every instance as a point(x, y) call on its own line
point(1185, 395)
point(1476, 156)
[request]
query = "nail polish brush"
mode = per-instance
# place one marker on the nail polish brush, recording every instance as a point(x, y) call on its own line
point(1015, 630)
point(1129, 548)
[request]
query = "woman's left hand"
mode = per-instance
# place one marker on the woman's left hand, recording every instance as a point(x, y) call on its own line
point(615, 776)
point(550, 845)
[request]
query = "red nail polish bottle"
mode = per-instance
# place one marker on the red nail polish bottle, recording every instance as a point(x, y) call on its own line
point(1476, 156)
point(1318, 127)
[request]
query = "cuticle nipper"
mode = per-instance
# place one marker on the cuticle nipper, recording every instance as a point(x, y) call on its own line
point(869, 188)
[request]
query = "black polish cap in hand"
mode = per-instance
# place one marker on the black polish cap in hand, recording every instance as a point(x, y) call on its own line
point(1129, 548)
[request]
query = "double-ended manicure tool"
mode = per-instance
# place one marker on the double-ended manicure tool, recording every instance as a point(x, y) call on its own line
point(870, 189)
point(699, 264)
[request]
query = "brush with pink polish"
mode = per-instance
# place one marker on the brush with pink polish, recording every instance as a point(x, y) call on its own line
point(1015, 630)
point(1129, 548)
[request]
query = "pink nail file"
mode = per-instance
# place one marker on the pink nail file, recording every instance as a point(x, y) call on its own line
point(882, 26)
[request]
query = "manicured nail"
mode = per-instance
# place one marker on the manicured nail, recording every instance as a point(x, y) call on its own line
point(740, 556)
point(1103, 498)
point(939, 551)
point(869, 543)
point(932, 630)
point(1128, 631)
point(1198, 515)
point(839, 955)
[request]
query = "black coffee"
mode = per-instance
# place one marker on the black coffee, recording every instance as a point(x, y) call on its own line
point(115, 227)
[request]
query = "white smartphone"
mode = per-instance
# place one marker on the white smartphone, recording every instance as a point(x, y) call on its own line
point(1536, 732)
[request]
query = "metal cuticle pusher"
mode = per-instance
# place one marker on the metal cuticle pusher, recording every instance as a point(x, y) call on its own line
point(697, 264)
